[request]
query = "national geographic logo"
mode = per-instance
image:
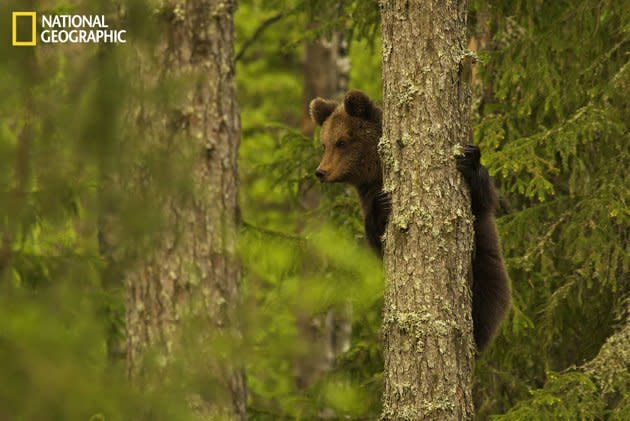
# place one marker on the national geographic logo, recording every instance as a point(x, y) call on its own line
point(63, 29)
point(26, 19)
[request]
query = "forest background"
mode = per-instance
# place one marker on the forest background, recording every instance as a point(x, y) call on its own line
point(551, 114)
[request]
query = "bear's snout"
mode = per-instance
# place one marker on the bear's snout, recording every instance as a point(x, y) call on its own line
point(320, 174)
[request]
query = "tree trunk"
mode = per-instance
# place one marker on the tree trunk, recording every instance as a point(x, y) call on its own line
point(326, 75)
point(479, 41)
point(427, 326)
point(193, 275)
point(604, 379)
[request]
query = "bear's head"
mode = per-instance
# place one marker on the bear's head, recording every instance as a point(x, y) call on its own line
point(349, 133)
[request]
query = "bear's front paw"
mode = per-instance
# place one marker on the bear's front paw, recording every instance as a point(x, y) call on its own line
point(469, 163)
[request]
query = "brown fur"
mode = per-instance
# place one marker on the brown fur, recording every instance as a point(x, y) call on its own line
point(350, 133)
point(349, 141)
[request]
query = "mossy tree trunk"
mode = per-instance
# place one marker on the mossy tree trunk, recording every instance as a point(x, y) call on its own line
point(193, 277)
point(427, 326)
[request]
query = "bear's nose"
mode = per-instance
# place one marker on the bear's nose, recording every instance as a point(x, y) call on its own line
point(320, 174)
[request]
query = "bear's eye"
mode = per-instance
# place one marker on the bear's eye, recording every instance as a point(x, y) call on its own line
point(340, 144)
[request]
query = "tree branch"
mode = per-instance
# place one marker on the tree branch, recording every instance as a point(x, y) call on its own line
point(261, 28)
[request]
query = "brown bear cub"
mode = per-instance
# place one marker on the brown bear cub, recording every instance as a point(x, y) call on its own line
point(350, 132)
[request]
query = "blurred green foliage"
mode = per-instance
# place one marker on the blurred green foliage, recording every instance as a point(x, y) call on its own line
point(76, 212)
point(68, 169)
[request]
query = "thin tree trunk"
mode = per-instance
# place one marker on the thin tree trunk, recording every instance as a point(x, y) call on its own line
point(479, 41)
point(427, 327)
point(193, 275)
point(326, 75)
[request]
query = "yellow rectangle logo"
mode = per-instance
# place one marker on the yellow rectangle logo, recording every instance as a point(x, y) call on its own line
point(33, 40)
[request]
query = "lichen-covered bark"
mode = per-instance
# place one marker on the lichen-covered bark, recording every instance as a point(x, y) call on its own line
point(612, 361)
point(427, 327)
point(193, 276)
point(595, 390)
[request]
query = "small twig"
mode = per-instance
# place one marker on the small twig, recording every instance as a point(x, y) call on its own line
point(261, 28)
point(272, 233)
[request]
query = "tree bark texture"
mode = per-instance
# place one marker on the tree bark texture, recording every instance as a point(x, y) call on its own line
point(610, 369)
point(193, 274)
point(427, 324)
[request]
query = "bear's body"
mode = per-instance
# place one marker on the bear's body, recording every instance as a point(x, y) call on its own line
point(350, 133)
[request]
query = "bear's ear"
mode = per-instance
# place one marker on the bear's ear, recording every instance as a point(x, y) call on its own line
point(320, 109)
point(357, 104)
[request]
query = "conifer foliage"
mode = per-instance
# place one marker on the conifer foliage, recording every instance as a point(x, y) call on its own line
point(83, 178)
